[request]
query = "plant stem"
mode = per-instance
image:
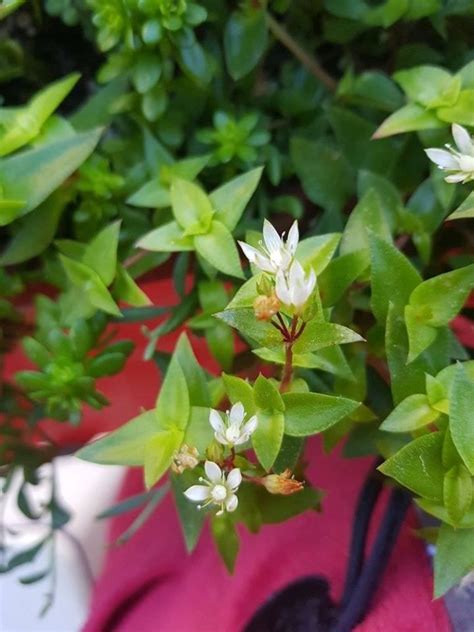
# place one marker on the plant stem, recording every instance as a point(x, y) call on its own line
point(310, 62)
point(288, 368)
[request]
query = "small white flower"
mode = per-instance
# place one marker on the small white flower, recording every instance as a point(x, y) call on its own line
point(232, 430)
point(460, 161)
point(275, 254)
point(294, 288)
point(217, 489)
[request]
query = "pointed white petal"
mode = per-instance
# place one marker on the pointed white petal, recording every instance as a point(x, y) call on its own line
point(311, 283)
point(249, 251)
point(219, 436)
point(216, 421)
point(237, 414)
point(462, 139)
point(234, 479)
point(213, 471)
point(456, 177)
point(231, 503)
point(264, 263)
point(442, 158)
point(466, 163)
point(197, 493)
point(250, 426)
point(281, 289)
point(293, 238)
point(271, 237)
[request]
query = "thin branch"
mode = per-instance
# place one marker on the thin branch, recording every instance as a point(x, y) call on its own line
point(310, 62)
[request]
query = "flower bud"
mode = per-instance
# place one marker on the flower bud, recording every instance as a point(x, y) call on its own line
point(265, 307)
point(283, 483)
point(265, 285)
point(215, 452)
point(185, 459)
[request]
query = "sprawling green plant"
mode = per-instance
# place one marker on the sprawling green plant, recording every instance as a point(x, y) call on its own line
point(209, 125)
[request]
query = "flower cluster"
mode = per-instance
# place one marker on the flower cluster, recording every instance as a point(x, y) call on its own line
point(293, 286)
point(459, 162)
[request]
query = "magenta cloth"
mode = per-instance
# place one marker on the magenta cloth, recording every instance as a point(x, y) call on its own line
point(151, 584)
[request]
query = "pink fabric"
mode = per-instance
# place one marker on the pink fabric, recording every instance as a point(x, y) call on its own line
point(151, 584)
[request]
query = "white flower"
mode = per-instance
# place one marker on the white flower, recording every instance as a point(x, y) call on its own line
point(460, 161)
point(275, 254)
point(294, 288)
point(217, 489)
point(232, 430)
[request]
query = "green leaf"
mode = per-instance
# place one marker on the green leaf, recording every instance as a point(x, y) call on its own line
point(167, 238)
point(461, 112)
point(268, 436)
point(275, 509)
point(266, 395)
point(153, 194)
point(389, 195)
point(99, 109)
point(199, 433)
point(230, 199)
point(412, 413)
point(409, 118)
point(340, 274)
point(172, 407)
point(368, 215)
point(190, 518)
point(311, 413)
point(418, 466)
point(220, 340)
point(457, 492)
point(226, 538)
point(257, 330)
point(89, 281)
point(460, 414)
point(101, 253)
point(317, 251)
point(124, 446)
point(34, 174)
point(393, 277)
point(318, 335)
point(245, 41)
point(464, 210)
point(191, 207)
point(27, 121)
point(319, 166)
point(218, 248)
point(194, 61)
point(158, 454)
point(36, 231)
point(193, 372)
point(127, 290)
point(239, 390)
point(430, 86)
point(124, 506)
point(290, 451)
point(454, 557)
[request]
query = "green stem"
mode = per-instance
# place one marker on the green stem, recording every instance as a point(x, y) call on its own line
point(288, 368)
point(311, 63)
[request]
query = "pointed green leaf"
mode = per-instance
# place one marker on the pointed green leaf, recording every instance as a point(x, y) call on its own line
point(226, 538)
point(318, 335)
point(230, 199)
point(245, 40)
point(191, 207)
point(167, 238)
point(457, 492)
point(454, 557)
point(409, 118)
point(218, 248)
point(367, 216)
point(460, 413)
point(430, 86)
point(317, 251)
point(311, 413)
point(418, 466)
point(158, 454)
point(152, 194)
point(412, 413)
point(245, 322)
point(191, 519)
point(268, 436)
point(124, 446)
point(239, 390)
point(172, 406)
point(193, 373)
point(466, 209)
point(101, 253)
point(125, 289)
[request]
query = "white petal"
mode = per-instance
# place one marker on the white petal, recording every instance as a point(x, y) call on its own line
point(213, 471)
point(219, 436)
point(271, 237)
point(311, 282)
point(293, 238)
point(442, 158)
point(462, 139)
point(197, 493)
point(466, 163)
point(456, 177)
point(216, 421)
point(281, 289)
point(234, 479)
point(250, 426)
point(249, 251)
point(231, 503)
point(264, 263)
point(237, 414)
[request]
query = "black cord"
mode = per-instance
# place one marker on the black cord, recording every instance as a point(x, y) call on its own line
point(366, 502)
point(365, 588)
